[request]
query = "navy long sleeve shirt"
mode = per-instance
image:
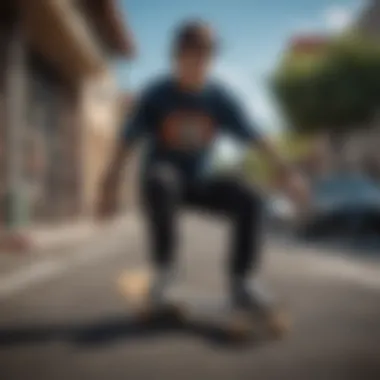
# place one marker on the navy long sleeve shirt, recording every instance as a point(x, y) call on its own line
point(180, 126)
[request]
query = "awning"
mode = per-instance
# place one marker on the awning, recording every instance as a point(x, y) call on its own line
point(108, 18)
point(60, 32)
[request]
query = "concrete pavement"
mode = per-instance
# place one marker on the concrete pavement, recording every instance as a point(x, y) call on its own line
point(67, 321)
point(46, 238)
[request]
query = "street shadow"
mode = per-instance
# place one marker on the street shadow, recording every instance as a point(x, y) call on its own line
point(120, 328)
point(365, 247)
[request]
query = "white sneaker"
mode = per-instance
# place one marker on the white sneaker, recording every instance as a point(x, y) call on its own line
point(161, 283)
point(250, 295)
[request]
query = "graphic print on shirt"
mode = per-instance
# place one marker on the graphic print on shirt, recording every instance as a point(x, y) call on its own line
point(187, 131)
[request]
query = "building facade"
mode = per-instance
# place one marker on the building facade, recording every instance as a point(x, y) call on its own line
point(57, 101)
point(362, 147)
point(369, 20)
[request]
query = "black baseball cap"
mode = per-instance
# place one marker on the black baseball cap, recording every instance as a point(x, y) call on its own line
point(194, 35)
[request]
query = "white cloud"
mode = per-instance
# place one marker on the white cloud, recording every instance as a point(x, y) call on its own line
point(338, 18)
point(333, 19)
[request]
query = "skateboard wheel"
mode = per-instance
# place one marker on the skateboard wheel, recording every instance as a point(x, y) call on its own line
point(240, 328)
point(145, 314)
point(238, 334)
point(178, 311)
point(174, 312)
point(149, 313)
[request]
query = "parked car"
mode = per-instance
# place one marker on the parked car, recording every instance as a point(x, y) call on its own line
point(348, 204)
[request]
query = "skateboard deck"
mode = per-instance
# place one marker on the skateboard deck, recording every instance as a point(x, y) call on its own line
point(185, 308)
point(135, 287)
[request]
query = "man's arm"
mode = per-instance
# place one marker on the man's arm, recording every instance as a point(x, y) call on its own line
point(234, 119)
point(282, 167)
point(239, 125)
point(111, 180)
point(112, 175)
point(135, 128)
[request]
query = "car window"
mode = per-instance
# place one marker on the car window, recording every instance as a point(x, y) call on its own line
point(347, 187)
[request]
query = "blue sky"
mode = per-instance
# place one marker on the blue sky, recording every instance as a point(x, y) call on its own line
point(253, 33)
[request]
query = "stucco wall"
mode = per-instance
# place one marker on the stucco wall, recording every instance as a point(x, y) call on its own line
point(104, 109)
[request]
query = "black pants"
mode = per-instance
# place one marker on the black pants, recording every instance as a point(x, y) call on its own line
point(165, 193)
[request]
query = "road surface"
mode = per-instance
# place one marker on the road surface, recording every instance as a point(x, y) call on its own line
point(62, 317)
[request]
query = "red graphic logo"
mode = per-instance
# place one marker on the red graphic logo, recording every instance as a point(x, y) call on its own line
point(187, 130)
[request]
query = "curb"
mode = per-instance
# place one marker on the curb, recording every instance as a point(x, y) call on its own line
point(14, 242)
point(43, 240)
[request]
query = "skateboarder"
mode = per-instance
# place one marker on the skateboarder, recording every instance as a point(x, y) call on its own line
point(179, 116)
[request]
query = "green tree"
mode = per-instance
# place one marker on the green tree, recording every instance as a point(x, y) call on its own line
point(291, 145)
point(334, 90)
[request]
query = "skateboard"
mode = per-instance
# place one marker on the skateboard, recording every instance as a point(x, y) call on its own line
point(235, 325)
point(135, 287)
point(197, 310)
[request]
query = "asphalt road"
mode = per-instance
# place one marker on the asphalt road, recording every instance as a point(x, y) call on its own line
point(61, 316)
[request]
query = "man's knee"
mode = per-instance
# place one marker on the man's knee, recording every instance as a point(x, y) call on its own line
point(249, 199)
point(163, 180)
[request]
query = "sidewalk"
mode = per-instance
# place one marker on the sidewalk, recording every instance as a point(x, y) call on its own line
point(41, 239)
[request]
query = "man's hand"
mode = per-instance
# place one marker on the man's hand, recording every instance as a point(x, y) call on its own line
point(297, 188)
point(107, 206)
point(107, 203)
point(287, 179)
